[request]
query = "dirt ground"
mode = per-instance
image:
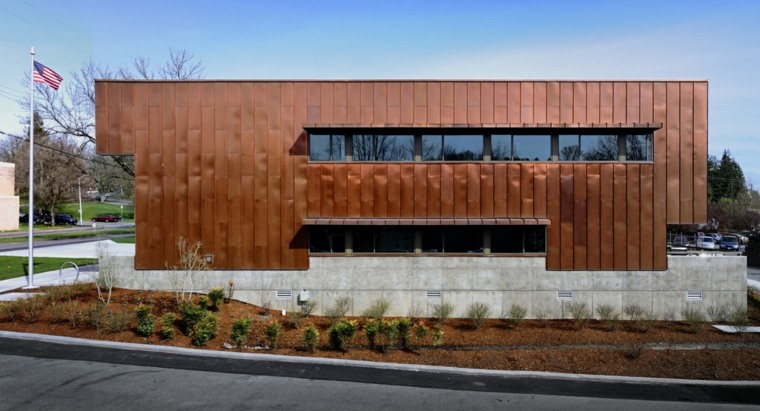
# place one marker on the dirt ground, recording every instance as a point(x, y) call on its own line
point(668, 349)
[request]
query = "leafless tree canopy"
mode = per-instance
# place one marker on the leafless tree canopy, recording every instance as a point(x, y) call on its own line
point(72, 112)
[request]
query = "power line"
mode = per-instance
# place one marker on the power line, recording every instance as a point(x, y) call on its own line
point(46, 31)
point(37, 144)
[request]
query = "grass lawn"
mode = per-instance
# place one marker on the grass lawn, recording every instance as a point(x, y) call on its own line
point(71, 234)
point(91, 209)
point(124, 240)
point(12, 267)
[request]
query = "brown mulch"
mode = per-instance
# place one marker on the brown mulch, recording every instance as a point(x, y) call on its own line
point(668, 349)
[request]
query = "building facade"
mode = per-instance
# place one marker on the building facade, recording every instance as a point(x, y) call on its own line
point(288, 182)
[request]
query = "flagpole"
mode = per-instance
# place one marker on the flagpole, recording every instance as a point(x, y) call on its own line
point(30, 273)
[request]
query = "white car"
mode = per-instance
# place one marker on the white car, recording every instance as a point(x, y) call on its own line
point(706, 243)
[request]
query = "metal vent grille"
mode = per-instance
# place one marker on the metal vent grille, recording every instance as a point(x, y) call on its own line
point(433, 294)
point(283, 294)
point(694, 295)
point(564, 295)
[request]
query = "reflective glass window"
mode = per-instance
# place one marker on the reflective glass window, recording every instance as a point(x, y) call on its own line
point(569, 147)
point(501, 147)
point(327, 239)
point(432, 148)
point(326, 147)
point(432, 239)
point(599, 148)
point(463, 148)
point(394, 239)
point(532, 148)
point(383, 147)
point(638, 147)
point(462, 239)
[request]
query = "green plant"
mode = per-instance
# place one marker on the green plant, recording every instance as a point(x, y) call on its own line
point(437, 336)
point(240, 329)
point(635, 351)
point(217, 297)
point(648, 318)
point(378, 309)
point(106, 279)
point(542, 316)
point(272, 334)
point(340, 333)
point(145, 320)
point(167, 326)
point(95, 314)
point(74, 312)
point(580, 313)
point(308, 307)
point(718, 313)
point(29, 309)
point(610, 319)
point(739, 318)
point(694, 317)
point(204, 303)
point(295, 318)
point(420, 333)
point(517, 314)
point(204, 329)
point(634, 312)
point(117, 320)
point(388, 335)
point(477, 313)
point(190, 315)
point(442, 312)
point(310, 337)
point(371, 328)
point(404, 327)
point(338, 310)
point(192, 263)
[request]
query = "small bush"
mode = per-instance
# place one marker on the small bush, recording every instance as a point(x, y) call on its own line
point(388, 334)
point(295, 318)
point(415, 311)
point(204, 303)
point(668, 314)
point(204, 329)
point(718, 313)
point(217, 297)
point(190, 314)
point(635, 351)
point(308, 307)
point(477, 313)
point(517, 314)
point(648, 318)
point(310, 337)
point(240, 329)
point(28, 309)
point(442, 312)
point(74, 312)
point(145, 321)
point(437, 336)
point(378, 309)
point(580, 313)
point(542, 317)
point(608, 316)
point(371, 328)
point(634, 312)
point(265, 307)
point(167, 326)
point(117, 321)
point(272, 334)
point(230, 289)
point(338, 310)
point(739, 318)
point(341, 333)
point(694, 317)
point(404, 327)
point(95, 315)
point(420, 333)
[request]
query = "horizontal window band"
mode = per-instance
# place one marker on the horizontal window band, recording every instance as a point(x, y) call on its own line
point(479, 126)
point(426, 221)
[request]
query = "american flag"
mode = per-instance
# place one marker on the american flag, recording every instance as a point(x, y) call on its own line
point(42, 74)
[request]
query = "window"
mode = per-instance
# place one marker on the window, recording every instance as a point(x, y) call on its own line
point(327, 240)
point(573, 147)
point(383, 240)
point(638, 147)
point(327, 147)
point(367, 147)
point(531, 148)
point(452, 147)
point(518, 239)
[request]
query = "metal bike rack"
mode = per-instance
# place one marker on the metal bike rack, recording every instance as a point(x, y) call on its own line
point(60, 271)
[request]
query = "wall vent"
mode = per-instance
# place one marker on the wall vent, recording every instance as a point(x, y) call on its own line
point(564, 295)
point(283, 294)
point(693, 295)
point(433, 294)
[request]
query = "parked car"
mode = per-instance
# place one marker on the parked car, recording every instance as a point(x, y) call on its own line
point(680, 241)
point(106, 218)
point(24, 218)
point(729, 242)
point(706, 242)
point(715, 236)
point(61, 219)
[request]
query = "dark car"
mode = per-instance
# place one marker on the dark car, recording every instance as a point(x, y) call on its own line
point(61, 219)
point(106, 218)
point(24, 218)
point(729, 242)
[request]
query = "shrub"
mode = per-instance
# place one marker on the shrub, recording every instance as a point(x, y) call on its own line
point(694, 317)
point(94, 314)
point(442, 312)
point(272, 334)
point(635, 351)
point(388, 334)
point(204, 303)
point(739, 318)
point(477, 313)
point(648, 318)
point(718, 313)
point(542, 316)
point(310, 337)
point(420, 333)
point(580, 313)
point(340, 333)
point(371, 329)
point(404, 327)
point(106, 274)
point(265, 307)
point(378, 309)
point(437, 336)
point(415, 311)
point(517, 314)
point(167, 326)
point(634, 312)
point(30, 308)
point(240, 329)
point(216, 295)
point(117, 321)
point(610, 319)
point(295, 318)
point(190, 315)
point(308, 307)
point(338, 310)
point(145, 320)
point(74, 312)
point(204, 329)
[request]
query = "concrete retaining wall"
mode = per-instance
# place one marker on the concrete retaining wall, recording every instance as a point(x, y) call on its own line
point(498, 282)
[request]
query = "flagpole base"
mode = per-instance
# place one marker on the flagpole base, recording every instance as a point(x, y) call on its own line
point(30, 287)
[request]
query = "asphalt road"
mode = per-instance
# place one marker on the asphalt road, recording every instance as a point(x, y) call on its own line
point(52, 373)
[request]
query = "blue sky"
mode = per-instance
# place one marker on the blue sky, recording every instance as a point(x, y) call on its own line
point(714, 40)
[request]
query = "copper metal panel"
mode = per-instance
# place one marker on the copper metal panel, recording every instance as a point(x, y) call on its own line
point(633, 100)
point(326, 192)
point(394, 190)
point(367, 190)
point(633, 229)
point(420, 102)
point(353, 103)
point(686, 153)
point(660, 178)
point(433, 103)
point(101, 112)
point(553, 212)
point(526, 102)
point(646, 102)
point(340, 177)
point(486, 190)
point(380, 103)
point(473, 190)
point(619, 99)
point(354, 190)
point(473, 102)
point(500, 102)
point(367, 115)
point(552, 102)
point(460, 190)
point(407, 103)
point(673, 130)
point(113, 99)
point(567, 216)
point(514, 103)
point(526, 190)
point(513, 190)
point(314, 193)
point(447, 102)
point(380, 185)
point(607, 216)
point(539, 189)
point(539, 102)
point(593, 226)
point(620, 213)
point(420, 190)
point(700, 152)
point(593, 103)
point(580, 217)
point(500, 189)
point(460, 102)
point(326, 102)
point(407, 190)
point(646, 200)
point(606, 101)
point(433, 190)
point(447, 190)
point(486, 102)
point(566, 102)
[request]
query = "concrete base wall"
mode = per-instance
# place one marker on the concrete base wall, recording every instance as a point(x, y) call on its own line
point(9, 212)
point(499, 282)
